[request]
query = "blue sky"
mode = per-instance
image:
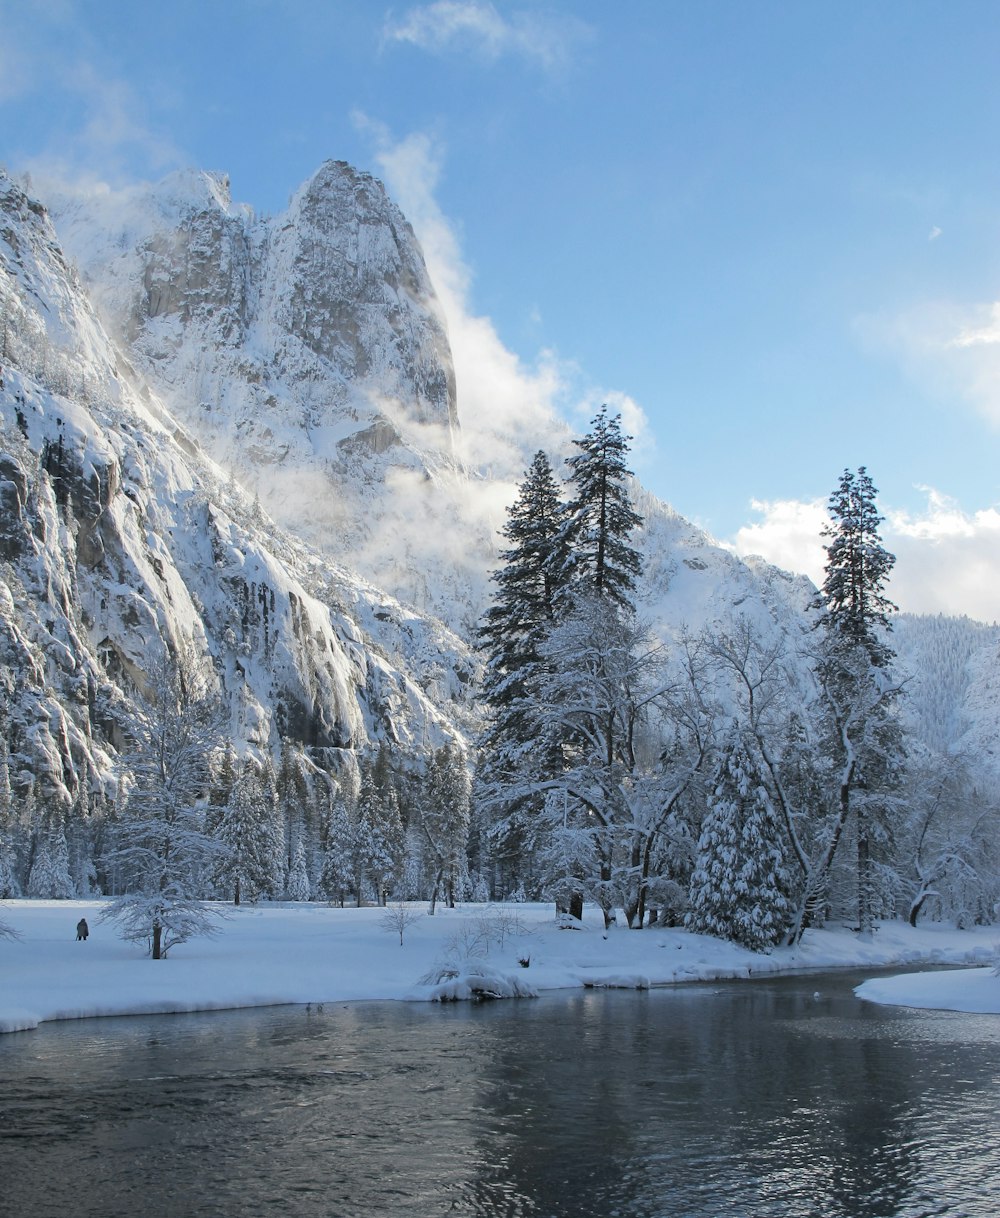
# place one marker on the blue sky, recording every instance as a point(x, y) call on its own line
point(768, 232)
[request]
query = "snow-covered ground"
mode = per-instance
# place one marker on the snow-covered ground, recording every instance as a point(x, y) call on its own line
point(272, 954)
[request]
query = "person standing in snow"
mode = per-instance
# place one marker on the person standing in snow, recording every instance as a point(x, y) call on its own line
point(82, 930)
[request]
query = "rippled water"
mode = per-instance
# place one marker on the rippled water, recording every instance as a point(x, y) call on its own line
point(785, 1097)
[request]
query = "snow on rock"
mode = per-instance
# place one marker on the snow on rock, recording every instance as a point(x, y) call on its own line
point(120, 538)
point(476, 982)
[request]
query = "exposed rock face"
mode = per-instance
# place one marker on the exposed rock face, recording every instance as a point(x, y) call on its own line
point(295, 349)
point(120, 541)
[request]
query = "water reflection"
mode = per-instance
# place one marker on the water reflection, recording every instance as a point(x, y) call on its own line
point(746, 1099)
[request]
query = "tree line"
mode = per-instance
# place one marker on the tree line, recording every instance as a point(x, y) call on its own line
point(741, 781)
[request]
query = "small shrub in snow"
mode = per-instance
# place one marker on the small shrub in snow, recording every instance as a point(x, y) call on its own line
point(398, 917)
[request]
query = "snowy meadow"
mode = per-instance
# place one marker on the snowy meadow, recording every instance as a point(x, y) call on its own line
point(272, 954)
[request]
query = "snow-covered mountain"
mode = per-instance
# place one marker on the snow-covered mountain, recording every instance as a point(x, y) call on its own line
point(118, 533)
point(306, 352)
point(240, 430)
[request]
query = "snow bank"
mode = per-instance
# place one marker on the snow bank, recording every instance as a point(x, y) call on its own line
point(971, 989)
point(286, 953)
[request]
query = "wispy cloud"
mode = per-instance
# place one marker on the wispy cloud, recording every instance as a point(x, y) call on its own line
point(504, 404)
point(947, 558)
point(987, 335)
point(476, 26)
point(105, 134)
point(948, 349)
point(508, 407)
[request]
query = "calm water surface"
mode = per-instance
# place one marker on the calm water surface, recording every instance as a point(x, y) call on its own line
point(785, 1097)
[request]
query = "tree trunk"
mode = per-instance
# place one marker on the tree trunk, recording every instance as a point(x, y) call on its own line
point(157, 940)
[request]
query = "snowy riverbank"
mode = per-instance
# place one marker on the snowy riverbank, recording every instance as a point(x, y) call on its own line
point(274, 954)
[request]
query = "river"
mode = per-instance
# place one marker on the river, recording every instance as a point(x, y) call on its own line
point(776, 1097)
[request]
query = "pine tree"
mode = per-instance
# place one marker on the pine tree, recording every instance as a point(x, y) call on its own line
point(339, 869)
point(9, 886)
point(514, 625)
point(854, 606)
point(298, 875)
point(854, 668)
point(740, 883)
point(50, 878)
point(527, 584)
point(247, 832)
point(378, 840)
point(443, 816)
point(599, 518)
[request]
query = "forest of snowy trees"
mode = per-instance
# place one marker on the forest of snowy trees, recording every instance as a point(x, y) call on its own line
point(743, 785)
point(734, 780)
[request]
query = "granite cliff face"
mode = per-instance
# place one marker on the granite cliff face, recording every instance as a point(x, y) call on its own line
point(120, 539)
point(306, 352)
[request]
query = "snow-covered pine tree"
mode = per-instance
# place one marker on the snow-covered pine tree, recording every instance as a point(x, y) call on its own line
point(854, 661)
point(250, 856)
point(338, 877)
point(599, 518)
point(523, 609)
point(443, 815)
point(378, 839)
point(9, 885)
point(49, 878)
point(855, 609)
point(163, 854)
point(298, 805)
point(739, 889)
point(523, 606)
point(297, 888)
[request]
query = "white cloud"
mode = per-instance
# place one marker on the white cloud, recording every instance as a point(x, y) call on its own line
point(477, 26)
point(983, 335)
point(934, 233)
point(947, 559)
point(105, 135)
point(788, 535)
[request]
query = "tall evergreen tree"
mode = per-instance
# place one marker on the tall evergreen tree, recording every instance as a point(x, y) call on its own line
point(443, 816)
point(854, 663)
point(298, 875)
point(378, 839)
point(599, 518)
point(9, 886)
point(854, 605)
point(523, 610)
point(339, 871)
point(50, 877)
point(523, 607)
point(251, 858)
